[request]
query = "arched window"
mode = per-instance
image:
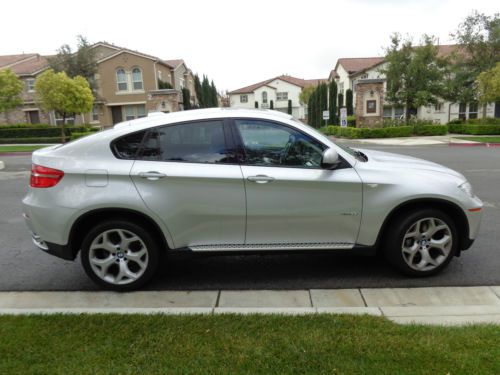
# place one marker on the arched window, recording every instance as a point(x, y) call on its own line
point(137, 79)
point(264, 97)
point(121, 80)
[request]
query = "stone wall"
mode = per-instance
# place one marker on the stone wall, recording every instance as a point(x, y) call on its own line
point(369, 103)
point(163, 101)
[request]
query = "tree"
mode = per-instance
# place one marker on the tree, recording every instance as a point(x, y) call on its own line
point(340, 100)
point(67, 96)
point(489, 85)
point(186, 98)
point(479, 38)
point(305, 94)
point(256, 104)
point(414, 74)
point(332, 106)
point(80, 63)
point(348, 102)
point(289, 110)
point(214, 95)
point(11, 88)
point(162, 85)
point(198, 91)
point(271, 104)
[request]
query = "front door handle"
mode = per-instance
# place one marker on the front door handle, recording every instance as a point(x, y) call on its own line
point(261, 179)
point(152, 175)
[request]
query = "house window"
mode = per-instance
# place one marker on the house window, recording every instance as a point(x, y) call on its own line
point(264, 97)
point(243, 98)
point(387, 112)
point(341, 87)
point(134, 111)
point(95, 113)
point(137, 79)
point(30, 84)
point(462, 111)
point(371, 106)
point(438, 107)
point(473, 110)
point(281, 96)
point(121, 80)
point(399, 112)
point(364, 76)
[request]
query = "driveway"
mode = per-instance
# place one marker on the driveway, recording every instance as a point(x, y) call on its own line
point(22, 267)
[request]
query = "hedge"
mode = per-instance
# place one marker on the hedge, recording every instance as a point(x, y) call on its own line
point(42, 132)
point(76, 135)
point(31, 140)
point(474, 129)
point(355, 133)
point(430, 130)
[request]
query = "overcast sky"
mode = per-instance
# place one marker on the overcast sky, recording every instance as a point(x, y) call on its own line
point(236, 43)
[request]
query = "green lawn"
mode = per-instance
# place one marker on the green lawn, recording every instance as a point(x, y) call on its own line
point(5, 149)
point(481, 139)
point(237, 344)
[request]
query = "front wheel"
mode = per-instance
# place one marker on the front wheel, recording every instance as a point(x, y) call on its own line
point(421, 243)
point(119, 255)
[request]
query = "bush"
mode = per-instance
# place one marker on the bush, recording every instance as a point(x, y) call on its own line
point(43, 132)
point(456, 127)
point(457, 121)
point(430, 130)
point(480, 129)
point(484, 121)
point(76, 135)
point(31, 140)
point(351, 121)
point(356, 133)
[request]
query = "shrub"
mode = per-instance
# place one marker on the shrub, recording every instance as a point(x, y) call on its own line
point(351, 121)
point(76, 135)
point(481, 129)
point(484, 121)
point(430, 130)
point(457, 121)
point(455, 127)
point(43, 132)
point(356, 133)
point(31, 140)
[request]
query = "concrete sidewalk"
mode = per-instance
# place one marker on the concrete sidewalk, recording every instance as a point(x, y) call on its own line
point(442, 306)
point(448, 139)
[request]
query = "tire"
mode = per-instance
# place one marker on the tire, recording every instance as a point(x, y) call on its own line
point(119, 255)
point(421, 243)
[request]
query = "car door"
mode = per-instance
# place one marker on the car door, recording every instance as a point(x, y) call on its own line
point(291, 200)
point(187, 174)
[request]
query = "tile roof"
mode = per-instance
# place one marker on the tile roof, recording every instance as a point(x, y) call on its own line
point(293, 80)
point(31, 66)
point(174, 63)
point(356, 64)
point(12, 59)
point(123, 49)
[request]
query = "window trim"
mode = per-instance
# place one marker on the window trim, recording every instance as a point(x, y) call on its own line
point(241, 145)
point(133, 81)
point(30, 88)
point(243, 96)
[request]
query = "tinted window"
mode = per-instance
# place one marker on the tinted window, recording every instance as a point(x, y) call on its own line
point(200, 142)
point(126, 147)
point(271, 144)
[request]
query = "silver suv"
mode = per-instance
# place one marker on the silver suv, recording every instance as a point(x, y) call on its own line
point(225, 180)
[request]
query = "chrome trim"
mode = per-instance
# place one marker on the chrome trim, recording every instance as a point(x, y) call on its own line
point(277, 246)
point(39, 242)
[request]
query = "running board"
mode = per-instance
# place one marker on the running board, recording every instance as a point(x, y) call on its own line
point(276, 246)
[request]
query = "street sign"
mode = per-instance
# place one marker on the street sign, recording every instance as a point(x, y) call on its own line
point(343, 117)
point(326, 115)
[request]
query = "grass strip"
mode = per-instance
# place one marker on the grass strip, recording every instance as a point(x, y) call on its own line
point(239, 344)
point(7, 149)
point(480, 139)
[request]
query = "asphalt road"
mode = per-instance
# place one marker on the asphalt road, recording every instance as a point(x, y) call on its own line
point(22, 267)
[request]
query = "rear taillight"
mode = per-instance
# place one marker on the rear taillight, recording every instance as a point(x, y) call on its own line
point(43, 177)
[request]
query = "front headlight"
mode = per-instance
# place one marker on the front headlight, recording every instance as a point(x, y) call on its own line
point(467, 188)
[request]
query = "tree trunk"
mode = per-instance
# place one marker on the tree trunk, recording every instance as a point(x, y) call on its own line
point(484, 109)
point(63, 135)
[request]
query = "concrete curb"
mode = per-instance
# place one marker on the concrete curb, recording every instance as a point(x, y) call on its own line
point(437, 306)
point(474, 144)
point(2, 165)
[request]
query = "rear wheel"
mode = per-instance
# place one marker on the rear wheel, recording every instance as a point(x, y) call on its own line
point(119, 255)
point(421, 243)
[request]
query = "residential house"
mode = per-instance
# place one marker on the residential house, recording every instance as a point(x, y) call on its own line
point(365, 73)
point(27, 67)
point(279, 90)
point(127, 86)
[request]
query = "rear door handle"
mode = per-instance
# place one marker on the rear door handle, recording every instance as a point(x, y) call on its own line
point(261, 179)
point(152, 175)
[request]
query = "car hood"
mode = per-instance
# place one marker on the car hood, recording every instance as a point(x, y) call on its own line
point(388, 160)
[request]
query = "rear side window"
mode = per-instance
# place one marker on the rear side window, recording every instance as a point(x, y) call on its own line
point(128, 146)
point(196, 142)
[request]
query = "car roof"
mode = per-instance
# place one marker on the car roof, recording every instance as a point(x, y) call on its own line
point(156, 118)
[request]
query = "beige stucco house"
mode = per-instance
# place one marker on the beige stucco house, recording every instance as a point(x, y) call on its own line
point(127, 86)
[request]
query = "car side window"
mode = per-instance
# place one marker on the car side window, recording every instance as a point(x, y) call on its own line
point(271, 144)
point(126, 147)
point(195, 142)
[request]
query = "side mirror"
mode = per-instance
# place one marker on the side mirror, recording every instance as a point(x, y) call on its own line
point(330, 159)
